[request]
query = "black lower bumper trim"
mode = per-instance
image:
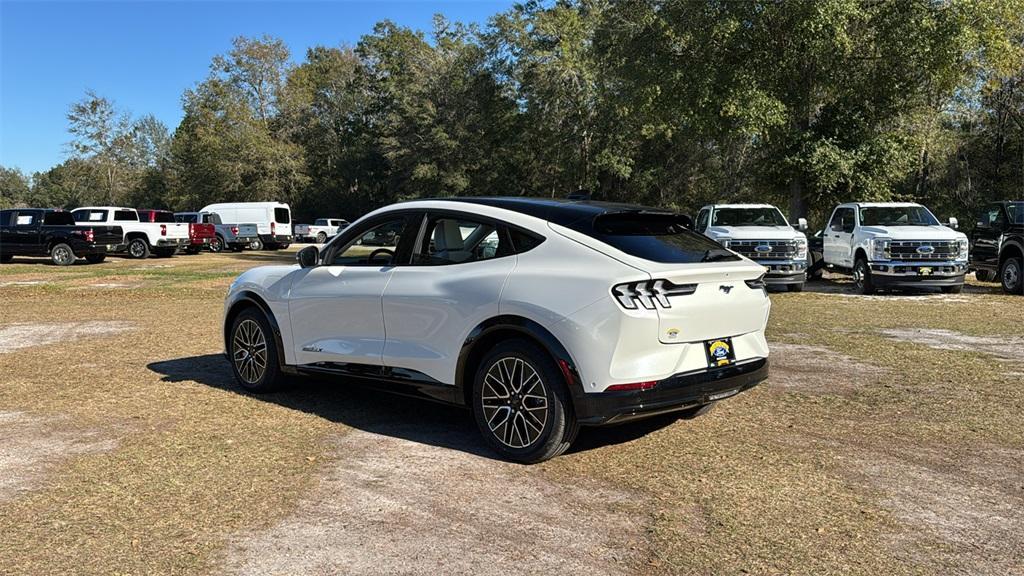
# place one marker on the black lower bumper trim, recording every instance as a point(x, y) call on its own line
point(676, 392)
point(888, 281)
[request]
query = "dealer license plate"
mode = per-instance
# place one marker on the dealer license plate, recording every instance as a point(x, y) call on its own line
point(719, 352)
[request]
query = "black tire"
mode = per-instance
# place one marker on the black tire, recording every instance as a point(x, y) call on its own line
point(256, 244)
point(1010, 276)
point(284, 246)
point(501, 367)
point(5, 258)
point(138, 248)
point(62, 255)
point(191, 251)
point(795, 287)
point(696, 411)
point(984, 275)
point(321, 237)
point(953, 289)
point(862, 278)
point(217, 244)
point(252, 339)
point(95, 258)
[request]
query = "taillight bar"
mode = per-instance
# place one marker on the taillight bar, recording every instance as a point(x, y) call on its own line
point(89, 235)
point(650, 293)
point(234, 230)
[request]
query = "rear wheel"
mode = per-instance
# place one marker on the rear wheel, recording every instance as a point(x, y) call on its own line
point(95, 258)
point(862, 277)
point(138, 248)
point(256, 244)
point(521, 403)
point(795, 287)
point(254, 359)
point(62, 255)
point(1010, 275)
point(216, 244)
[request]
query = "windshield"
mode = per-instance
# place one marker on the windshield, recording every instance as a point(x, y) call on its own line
point(657, 237)
point(1015, 212)
point(897, 216)
point(748, 217)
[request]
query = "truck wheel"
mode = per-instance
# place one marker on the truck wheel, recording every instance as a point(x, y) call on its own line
point(321, 238)
point(984, 275)
point(862, 278)
point(795, 287)
point(138, 248)
point(1010, 274)
point(521, 403)
point(95, 258)
point(256, 244)
point(953, 289)
point(216, 244)
point(253, 353)
point(62, 255)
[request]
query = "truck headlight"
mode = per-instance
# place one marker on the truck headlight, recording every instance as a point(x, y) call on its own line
point(879, 248)
point(724, 242)
point(801, 249)
point(964, 247)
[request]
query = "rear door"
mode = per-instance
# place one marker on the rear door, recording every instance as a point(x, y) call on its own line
point(25, 226)
point(335, 308)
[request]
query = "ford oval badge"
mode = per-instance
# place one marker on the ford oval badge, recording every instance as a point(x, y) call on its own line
point(926, 249)
point(763, 248)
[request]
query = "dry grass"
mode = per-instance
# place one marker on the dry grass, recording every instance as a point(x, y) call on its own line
point(863, 453)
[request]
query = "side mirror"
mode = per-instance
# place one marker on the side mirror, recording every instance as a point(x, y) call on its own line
point(801, 224)
point(836, 227)
point(308, 257)
point(953, 223)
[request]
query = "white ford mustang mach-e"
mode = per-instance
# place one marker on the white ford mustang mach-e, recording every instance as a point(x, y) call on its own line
point(541, 315)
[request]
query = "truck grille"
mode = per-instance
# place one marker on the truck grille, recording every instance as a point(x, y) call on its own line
point(923, 250)
point(765, 249)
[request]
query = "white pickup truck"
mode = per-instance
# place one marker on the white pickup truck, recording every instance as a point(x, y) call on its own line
point(895, 245)
point(320, 230)
point(761, 233)
point(140, 238)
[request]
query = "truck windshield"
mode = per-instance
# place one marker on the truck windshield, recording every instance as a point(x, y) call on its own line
point(1015, 212)
point(748, 217)
point(897, 216)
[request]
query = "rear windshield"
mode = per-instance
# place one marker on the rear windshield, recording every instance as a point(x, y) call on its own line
point(187, 218)
point(282, 216)
point(657, 237)
point(58, 219)
point(157, 216)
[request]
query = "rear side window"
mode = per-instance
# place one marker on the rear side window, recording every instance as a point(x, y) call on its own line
point(282, 215)
point(458, 241)
point(25, 219)
point(125, 216)
point(90, 215)
point(657, 237)
point(58, 219)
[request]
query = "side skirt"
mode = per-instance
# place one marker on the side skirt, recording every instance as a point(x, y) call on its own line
point(399, 381)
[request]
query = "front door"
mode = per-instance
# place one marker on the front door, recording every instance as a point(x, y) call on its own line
point(335, 308)
point(985, 236)
point(838, 241)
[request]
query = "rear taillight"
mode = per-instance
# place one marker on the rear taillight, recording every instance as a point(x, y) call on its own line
point(163, 229)
point(88, 235)
point(234, 230)
point(757, 283)
point(631, 387)
point(650, 293)
point(273, 227)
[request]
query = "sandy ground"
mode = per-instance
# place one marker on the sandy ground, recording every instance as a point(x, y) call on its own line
point(22, 335)
point(800, 368)
point(386, 505)
point(1004, 348)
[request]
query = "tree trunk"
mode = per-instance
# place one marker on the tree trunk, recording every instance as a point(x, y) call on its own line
point(797, 202)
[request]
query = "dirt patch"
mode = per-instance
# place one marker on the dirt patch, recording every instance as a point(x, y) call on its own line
point(33, 444)
point(1008, 348)
point(971, 506)
point(819, 370)
point(389, 505)
point(17, 336)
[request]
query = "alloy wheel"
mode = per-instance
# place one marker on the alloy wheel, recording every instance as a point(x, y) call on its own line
point(250, 351)
point(137, 249)
point(515, 402)
point(63, 255)
point(1011, 276)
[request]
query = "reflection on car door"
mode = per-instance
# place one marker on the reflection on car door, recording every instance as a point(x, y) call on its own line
point(335, 308)
point(454, 282)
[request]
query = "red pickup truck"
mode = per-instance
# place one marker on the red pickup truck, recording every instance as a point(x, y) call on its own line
point(199, 235)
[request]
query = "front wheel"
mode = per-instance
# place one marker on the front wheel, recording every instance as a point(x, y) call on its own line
point(138, 248)
point(862, 278)
point(984, 275)
point(254, 359)
point(95, 258)
point(62, 255)
point(521, 403)
point(1010, 275)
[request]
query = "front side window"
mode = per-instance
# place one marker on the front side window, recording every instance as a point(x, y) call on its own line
point(1015, 211)
point(458, 241)
point(377, 246)
point(657, 237)
point(25, 220)
point(897, 216)
point(90, 215)
point(702, 220)
point(842, 220)
point(748, 217)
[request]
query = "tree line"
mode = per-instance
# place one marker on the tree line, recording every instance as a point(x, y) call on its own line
point(673, 103)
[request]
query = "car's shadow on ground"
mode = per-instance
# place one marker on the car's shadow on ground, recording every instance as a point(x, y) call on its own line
point(413, 419)
point(845, 286)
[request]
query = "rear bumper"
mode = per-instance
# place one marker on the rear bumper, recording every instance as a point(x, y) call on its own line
point(276, 238)
point(200, 242)
point(676, 392)
point(172, 242)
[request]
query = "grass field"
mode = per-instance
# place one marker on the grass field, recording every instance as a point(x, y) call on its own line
point(888, 440)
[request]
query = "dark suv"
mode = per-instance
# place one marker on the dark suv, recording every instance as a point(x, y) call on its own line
point(997, 245)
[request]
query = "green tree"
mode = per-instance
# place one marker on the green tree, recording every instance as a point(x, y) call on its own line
point(14, 187)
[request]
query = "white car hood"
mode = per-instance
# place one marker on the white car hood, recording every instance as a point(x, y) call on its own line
point(754, 232)
point(914, 232)
point(264, 279)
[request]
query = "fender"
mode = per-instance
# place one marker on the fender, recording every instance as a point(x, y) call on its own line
point(529, 328)
point(249, 297)
point(1012, 242)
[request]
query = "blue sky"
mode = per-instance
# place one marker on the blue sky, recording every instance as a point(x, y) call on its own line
point(144, 55)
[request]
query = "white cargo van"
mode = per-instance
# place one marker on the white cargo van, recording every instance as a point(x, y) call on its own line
point(273, 221)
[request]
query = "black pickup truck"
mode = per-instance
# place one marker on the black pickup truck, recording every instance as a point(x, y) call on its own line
point(39, 232)
point(997, 245)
